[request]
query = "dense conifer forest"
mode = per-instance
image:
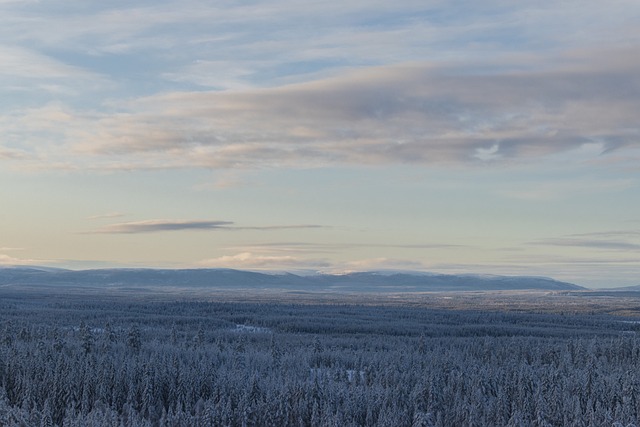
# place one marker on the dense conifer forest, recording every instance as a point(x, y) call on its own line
point(247, 364)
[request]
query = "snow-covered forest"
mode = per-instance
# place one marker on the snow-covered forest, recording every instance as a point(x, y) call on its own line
point(246, 364)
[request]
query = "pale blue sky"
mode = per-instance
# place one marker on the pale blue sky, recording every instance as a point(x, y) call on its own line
point(447, 136)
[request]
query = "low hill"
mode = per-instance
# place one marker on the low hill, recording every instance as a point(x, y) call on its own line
point(148, 279)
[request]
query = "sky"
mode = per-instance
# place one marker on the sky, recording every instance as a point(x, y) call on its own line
point(492, 137)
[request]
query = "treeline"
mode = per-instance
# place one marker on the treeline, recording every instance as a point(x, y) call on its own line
point(215, 364)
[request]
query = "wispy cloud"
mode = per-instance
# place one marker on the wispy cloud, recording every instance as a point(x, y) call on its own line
point(618, 245)
point(611, 240)
point(25, 63)
point(315, 247)
point(561, 189)
point(609, 234)
point(12, 154)
point(107, 215)
point(574, 261)
point(162, 225)
point(229, 180)
point(413, 113)
point(281, 31)
point(33, 77)
point(282, 227)
point(511, 98)
point(151, 226)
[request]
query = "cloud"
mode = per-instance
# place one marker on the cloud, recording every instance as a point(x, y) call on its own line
point(283, 227)
point(248, 260)
point(122, 28)
point(151, 226)
point(311, 247)
point(107, 215)
point(281, 31)
point(229, 180)
point(414, 113)
point(9, 260)
point(280, 248)
point(274, 104)
point(259, 261)
point(11, 154)
point(618, 245)
point(576, 262)
point(25, 63)
point(609, 240)
point(379, 264)
point(563, 189)
point(161, 225)
point(29, 75)
point(609, 234)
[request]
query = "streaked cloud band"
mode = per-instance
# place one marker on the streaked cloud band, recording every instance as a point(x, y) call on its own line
point(414, 113)
point(162, 225)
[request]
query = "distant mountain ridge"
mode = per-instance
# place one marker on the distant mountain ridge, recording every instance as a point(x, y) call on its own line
point(383, 282)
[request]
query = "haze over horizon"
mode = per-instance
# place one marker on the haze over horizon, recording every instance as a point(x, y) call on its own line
point(451, 137)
